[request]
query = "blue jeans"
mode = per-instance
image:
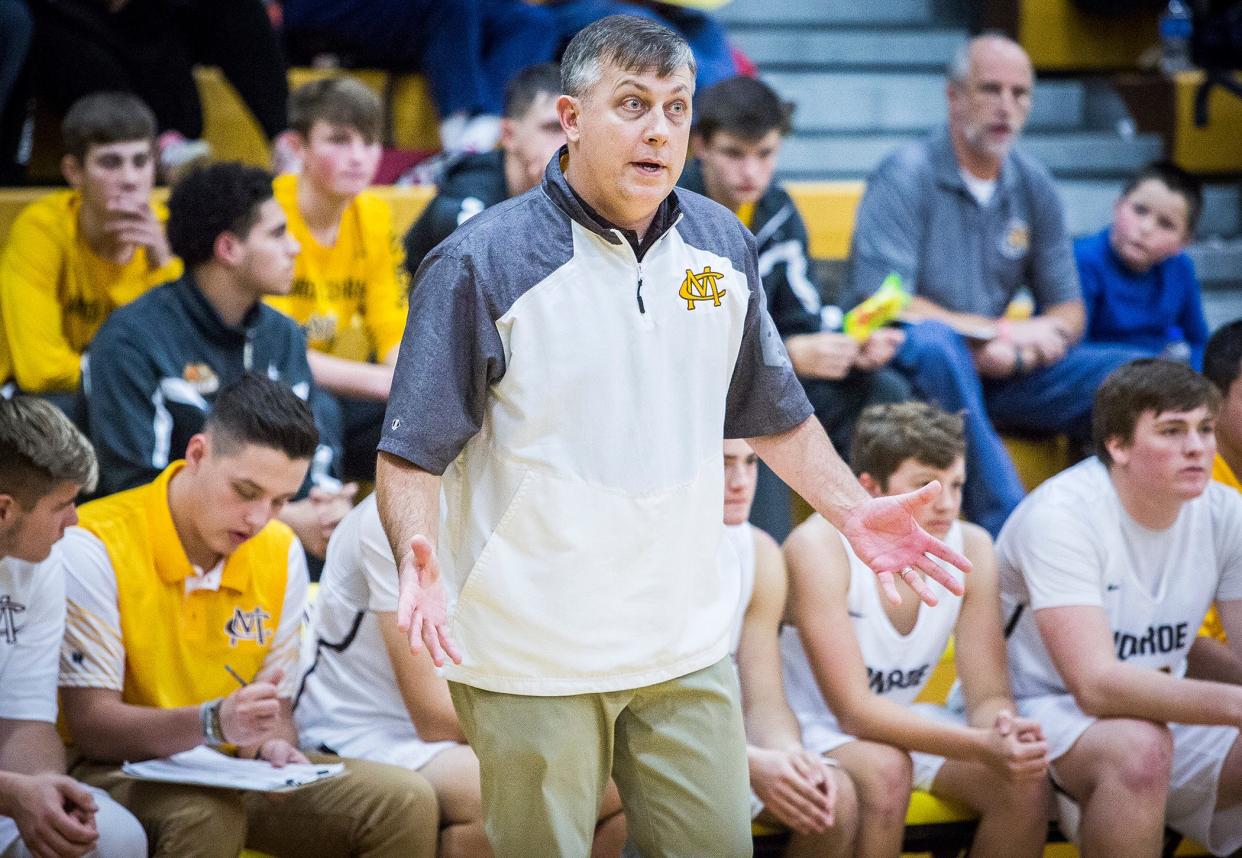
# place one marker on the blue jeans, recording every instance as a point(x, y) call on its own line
point(1049, 400)
point(468, 49)
point(706, 36)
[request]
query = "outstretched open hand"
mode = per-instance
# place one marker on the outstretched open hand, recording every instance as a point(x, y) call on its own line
point(422, 610)
point(885, 535)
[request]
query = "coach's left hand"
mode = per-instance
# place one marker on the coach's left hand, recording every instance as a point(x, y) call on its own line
point(422, 610)
point(885, 535)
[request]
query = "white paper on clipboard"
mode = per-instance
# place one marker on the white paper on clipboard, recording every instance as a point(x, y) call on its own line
point(202, 766)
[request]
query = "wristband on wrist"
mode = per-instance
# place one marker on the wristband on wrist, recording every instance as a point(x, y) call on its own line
point(213, 733)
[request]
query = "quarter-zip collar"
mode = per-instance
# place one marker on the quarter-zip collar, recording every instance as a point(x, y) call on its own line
point(207, 320)
point(567, 200)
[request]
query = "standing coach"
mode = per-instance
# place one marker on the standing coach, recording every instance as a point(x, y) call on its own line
point(571, 362)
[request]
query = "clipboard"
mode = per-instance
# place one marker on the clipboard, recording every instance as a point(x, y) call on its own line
point(203, 766)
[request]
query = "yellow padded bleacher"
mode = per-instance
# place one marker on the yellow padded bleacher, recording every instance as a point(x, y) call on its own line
point(827, 207)
point(1216, 147)
point(1059, 36)
point(410, 115)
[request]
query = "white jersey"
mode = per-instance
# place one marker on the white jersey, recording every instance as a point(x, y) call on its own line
point(1072, 543)
point(32, 622)
point(741, 538)
point(350, 701)
point(898, 666)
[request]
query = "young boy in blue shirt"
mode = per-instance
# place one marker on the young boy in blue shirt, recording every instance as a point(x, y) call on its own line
point(1138, 285)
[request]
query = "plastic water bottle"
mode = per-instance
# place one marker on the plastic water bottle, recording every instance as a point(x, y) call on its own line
point(1176, 25)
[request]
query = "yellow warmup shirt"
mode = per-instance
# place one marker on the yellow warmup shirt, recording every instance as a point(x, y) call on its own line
point(350, 298)
point(746, 214)
point(55, 293)
point(1223, 474)
point(142, 621)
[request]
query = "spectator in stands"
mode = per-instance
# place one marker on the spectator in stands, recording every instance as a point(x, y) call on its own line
point(150, 48)
point(1138, 285)
point(738, 127)
point(44, 463)
point(854, 693)
point(349, 280)
point(530, 134)
point(1106, 572)
point(366, 696)
point(467, 49)
point(966, 219)
point(218, 587)
point(74, 256)
point(790, 786)
point(707, 38)
point(158, 364)
point(563, 380)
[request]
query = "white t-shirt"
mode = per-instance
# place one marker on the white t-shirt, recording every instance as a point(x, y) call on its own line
point(94, 624)
point(1072, 543)
point(350, 700)
point(981, 189)
point(32, 622)
point(898, 666)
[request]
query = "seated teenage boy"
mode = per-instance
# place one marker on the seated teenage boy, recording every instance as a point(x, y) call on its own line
point(158, 364)
point(177, 584)
point(366, 696)
point(790, 786)
point(530, 134)
point(738, 128)
point(74, 256)
point(1107, 570)
point(1138, 284)
point(349, 280)
point(855, 662)
point(44, 463)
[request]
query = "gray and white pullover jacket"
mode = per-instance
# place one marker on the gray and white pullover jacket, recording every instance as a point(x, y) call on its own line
point(573, 386)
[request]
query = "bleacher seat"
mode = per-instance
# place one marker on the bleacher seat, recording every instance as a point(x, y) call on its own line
point(1060, 36)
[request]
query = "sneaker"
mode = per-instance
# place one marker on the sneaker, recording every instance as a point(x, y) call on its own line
point(178, 155)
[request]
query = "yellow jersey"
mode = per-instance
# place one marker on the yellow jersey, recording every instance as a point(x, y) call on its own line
point(350, 297)
point(1223, 474)
point(143, 621)
point(55, 292)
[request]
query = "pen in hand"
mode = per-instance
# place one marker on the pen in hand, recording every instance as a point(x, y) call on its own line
point(233, 673)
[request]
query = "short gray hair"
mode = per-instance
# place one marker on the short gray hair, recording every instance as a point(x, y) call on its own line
point(627, 42)
point(959, 66)
point(40, 447)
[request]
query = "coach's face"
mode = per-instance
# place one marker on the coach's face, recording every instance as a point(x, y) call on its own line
point(628, 136)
